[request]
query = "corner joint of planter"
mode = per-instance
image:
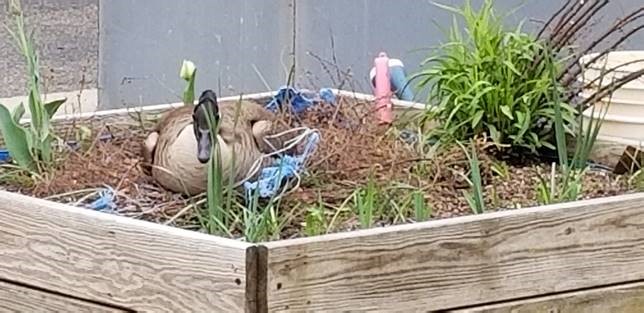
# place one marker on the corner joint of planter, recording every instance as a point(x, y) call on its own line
point(256, 278)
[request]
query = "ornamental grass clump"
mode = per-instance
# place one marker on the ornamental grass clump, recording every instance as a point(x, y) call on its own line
point(491, 81)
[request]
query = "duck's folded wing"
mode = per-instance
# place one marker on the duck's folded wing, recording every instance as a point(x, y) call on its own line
point(148, 147)
point(273, 136)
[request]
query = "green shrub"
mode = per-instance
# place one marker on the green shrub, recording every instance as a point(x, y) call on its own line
point(30, 147)
point(492, 81)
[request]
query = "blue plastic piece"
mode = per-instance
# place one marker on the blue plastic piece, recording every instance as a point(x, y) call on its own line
point(4, 156)
point(299, 100)
point(287, 166)
point(327, 95)
point(398, 82)
point(271, 177)
point(105, 200)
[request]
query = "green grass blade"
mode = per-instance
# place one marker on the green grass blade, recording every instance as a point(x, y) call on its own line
point(560, 133)
point(477, 181)
point(421, 211)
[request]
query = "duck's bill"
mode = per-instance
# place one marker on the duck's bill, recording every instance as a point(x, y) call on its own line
point(203, 147)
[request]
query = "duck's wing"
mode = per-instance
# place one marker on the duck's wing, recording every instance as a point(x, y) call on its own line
point(166, 130)
point(147, 148)
point(263, 123)
point(261, 130)
point(238, 119)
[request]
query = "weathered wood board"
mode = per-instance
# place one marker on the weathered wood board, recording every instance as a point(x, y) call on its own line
point(627, 298)
point(14, 298)
point(120, 261)
point(462, 261)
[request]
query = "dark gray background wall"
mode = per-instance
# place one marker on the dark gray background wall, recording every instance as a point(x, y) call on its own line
point(234, 44)
point(242, 46)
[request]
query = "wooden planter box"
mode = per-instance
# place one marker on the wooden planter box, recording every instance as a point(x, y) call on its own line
point(585, 256)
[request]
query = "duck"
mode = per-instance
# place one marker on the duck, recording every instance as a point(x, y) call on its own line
point(178, 149)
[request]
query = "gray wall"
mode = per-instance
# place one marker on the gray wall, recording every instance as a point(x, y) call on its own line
point(142, 45)
point(239, 46)
point(66, 35)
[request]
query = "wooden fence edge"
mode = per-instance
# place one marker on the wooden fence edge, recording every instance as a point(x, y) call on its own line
point(450, 221)
point(628, 297)
point(460, 261)
point(256, 271)
point(118, 260)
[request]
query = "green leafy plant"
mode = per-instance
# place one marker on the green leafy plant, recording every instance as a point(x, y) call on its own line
point(421, 210)
point(214, 219)
point(188, 72)
point(490, 81)
point(220, 198)
point(475, 199)
point(261, 222)
point(30, 147)
point(315, 221)
point(568, 186)
point(501, 168)
point(637, 180)
point(365, 203)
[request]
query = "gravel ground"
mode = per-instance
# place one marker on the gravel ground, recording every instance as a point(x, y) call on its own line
point(66, 34)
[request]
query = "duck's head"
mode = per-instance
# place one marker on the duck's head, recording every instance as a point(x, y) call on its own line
point(207, 104)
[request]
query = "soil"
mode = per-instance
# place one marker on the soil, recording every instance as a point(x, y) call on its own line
point(353, 151)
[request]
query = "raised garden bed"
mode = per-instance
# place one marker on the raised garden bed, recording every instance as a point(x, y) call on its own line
point(59, 253)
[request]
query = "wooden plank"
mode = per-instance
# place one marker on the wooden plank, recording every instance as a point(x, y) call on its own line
point(463, 261)
point(14, 298)
point(627, 298)
point(117, 260)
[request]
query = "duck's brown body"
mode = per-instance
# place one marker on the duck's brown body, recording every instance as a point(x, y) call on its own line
point(171, 148)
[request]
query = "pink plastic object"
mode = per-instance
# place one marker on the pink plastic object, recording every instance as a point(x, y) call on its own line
point(382, 89)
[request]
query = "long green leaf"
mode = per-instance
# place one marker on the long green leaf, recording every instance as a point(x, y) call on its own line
point(559, 128)
point(15, 139)
point(477, 181)
point(18, 113)
point(52, 107)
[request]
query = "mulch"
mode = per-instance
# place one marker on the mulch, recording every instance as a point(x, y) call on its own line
point(353, 150)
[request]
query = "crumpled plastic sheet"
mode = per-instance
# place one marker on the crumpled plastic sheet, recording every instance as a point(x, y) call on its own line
point(300, 100)
point(105, 200)
point(288, 166)
point(271, 177)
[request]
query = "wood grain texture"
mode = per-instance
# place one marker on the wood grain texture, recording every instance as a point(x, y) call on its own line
point(116, 260)
point(15, 298)
point(460, 262)
point(627, 298)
